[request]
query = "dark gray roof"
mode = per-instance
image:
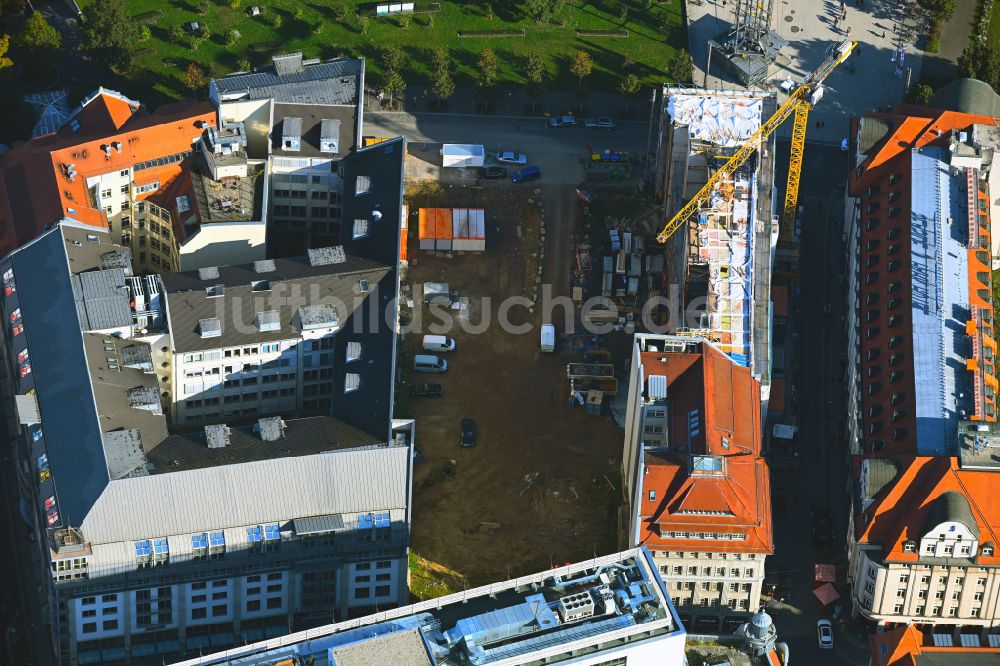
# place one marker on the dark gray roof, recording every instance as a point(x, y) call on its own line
point(102, 300)
point(302, 437)
point(967, 96)
point(311, 118)
point(370, 407)
point(951, 506)
point(956, 657)
point(294, 284)
point(72, 430)
point(880, 472)
point(870, 132)
point(332, 82)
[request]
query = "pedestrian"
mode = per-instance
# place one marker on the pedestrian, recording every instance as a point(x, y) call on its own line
point(857, 50)
point(883, 34)
point(848, 31)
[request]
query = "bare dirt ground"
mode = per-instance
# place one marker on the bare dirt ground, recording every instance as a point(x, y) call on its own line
point(541, 485)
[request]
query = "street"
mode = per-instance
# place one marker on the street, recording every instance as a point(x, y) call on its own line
point(558, 152)
point(816, 371)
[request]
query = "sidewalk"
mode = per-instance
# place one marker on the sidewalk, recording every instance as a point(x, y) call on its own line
point(955, 36)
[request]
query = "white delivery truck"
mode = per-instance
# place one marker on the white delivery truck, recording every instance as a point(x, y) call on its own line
point(462, 155)
point(548, 338)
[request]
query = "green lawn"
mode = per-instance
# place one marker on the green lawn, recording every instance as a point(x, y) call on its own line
point(158, 72)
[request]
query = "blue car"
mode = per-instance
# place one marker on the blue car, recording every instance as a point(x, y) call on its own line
point(526, 174)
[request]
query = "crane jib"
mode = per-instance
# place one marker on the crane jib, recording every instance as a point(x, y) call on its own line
point(798, 100)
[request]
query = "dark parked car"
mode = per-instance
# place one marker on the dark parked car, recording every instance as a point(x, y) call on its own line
point(493, 173)
point(426, 390)
point(604, 123)
point(468, 433)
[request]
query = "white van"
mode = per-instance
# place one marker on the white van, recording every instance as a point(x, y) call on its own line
point(428, 363)
point(438, 343)
point(548, 338)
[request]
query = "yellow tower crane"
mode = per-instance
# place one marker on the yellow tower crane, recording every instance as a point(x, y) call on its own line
point(799, 102)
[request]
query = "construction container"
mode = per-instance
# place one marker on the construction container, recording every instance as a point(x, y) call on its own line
point(462, 155)
point(468, 229)
point(590, 370)
point(435, 228)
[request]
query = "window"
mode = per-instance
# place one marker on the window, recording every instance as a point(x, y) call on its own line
point(255, 534)
point(274, 602)
point(362, 185)
point(143, 549)
point(352, 382)
point(220, 611)
point(109, 625)
point(272, 532)
point(89, 627)
point(652, 495)
point(354, 351)
point(382, 520)
point(360, 229)
point(897, 609)
point(161, 551)
point(382, 590)
point(217, 544)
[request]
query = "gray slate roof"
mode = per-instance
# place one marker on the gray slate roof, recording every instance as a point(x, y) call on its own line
point(102, 300)
point(951, 507)
point(967, 96)
point(332, 82)
point(293, 284)
point(302, 437)
point(311, 118)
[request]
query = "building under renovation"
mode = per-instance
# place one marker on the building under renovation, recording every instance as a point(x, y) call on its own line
point(721, 259)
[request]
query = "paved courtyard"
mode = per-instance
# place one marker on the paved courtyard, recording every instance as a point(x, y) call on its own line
point(881, 28)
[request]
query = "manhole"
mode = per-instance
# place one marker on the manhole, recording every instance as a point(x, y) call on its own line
point(794, 28)
point(791, 11)
point(788, 19)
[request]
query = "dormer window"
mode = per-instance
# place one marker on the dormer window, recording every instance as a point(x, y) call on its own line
point(987, 550)
point(909, 547)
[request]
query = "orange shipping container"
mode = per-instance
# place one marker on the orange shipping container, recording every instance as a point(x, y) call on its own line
point(435, 228)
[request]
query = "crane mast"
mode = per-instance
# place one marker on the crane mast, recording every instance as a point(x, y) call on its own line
point(799, 102)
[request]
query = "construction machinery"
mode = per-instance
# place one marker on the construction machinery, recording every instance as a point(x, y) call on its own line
point(799, 102)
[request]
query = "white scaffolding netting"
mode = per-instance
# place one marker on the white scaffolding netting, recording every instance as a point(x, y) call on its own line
point(719, 120)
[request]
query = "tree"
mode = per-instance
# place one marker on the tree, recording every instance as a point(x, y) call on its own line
point(534, 72)
point(5, 62)
point(941, 10)
point(486, 77)
point(244, 64)
point(38, 39)
point(628, 87)
point(543, 10)
point(175, 33)
point(194, 78)
point(922, 94)
point(363, 24)
point(393, 84)
point(392, 58)
point(109, 34)
point(442, 85)
point(680, 68)
point(581, 65)
point(233, 37)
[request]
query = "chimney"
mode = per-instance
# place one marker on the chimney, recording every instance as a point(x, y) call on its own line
point(270, 429)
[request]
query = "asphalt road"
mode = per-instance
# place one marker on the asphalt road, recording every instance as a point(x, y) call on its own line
point(560, 153)
point(821, 478)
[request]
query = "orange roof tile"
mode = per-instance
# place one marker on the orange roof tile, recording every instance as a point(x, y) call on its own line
point(104, 113)
point(900, 514)
point(32, 176)
point(737, 500)
point(902, 645)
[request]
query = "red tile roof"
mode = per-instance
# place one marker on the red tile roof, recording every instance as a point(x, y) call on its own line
point(901, 511)
point(903, 645)
point(736, 500)
point(34, 190)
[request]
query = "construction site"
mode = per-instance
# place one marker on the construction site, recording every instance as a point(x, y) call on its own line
point(721, 260)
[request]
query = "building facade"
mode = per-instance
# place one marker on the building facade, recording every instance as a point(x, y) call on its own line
point(610, 610)
point(157, 544)
point(696, 484)
point(302, 117)
point(922, 378)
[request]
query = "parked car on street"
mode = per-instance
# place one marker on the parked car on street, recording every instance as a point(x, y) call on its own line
point(468, 433)
point(603, 122)
point(561, 121)
point(824, 634)
point(493, 173)
point(426, 390)
point(510, 157)
point(526, 174)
